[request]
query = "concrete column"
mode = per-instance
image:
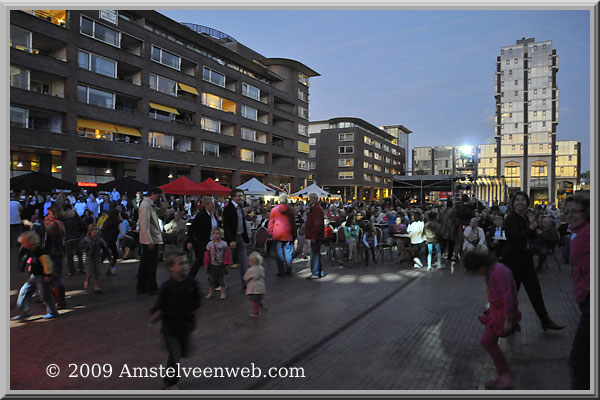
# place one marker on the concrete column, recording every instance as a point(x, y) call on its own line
point(196, 174)
point(69, 166)
point(236, 178)
point(141, 169)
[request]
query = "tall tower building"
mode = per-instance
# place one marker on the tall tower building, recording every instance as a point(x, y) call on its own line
point(526, 117)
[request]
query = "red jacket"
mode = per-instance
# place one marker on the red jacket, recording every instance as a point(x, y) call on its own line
point(315, 228)
point(281, 223)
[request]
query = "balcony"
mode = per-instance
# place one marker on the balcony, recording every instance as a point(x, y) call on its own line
point(56, 17)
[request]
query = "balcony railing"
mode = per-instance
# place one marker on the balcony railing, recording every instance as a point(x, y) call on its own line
point(56, 17)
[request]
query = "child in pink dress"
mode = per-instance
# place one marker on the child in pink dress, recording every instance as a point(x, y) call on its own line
point(502, 318)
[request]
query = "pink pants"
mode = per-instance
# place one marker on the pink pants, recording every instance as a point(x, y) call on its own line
point(489, 341)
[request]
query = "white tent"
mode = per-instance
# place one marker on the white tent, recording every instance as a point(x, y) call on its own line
point(255, 188)
point(314, 188)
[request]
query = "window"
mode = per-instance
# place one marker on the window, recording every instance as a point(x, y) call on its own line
point(97, 64)
point(510, 104)
point(211, 125)
point(249, 112)
point(377, 145)
point(312, 141)
point(377, 156)
point(183, 144)
point(303, 147)
point(544, 46)
point(543, 113)
point(377, 167)
point(19, 77)
point(516, 92)
point(346, 137)
point(345, 175)
point(251, 91)
point(19, 117)
point(516, 82)
point(534, 91)
point(544, 102)
point(163, 85)
point(312, 153)
point(509, 51)
point(550, 79)
point(20, 39)
point(160, 114)
point(543, 124)
point(247, 155)
point(95, 97)
point(248, 134)
point(346, 150)
point(535, 113)
point(377, 178)
point(303, 112)
point(212, 76)
point(210, 149)
point(160, 140)
point(346, 162)
point(507, 62)
point(502, 83)
point(212, 101)
point(544, 90)
point(302, 129)
point(166, 58)
point(516, 125)
point(302, 95)
point(502, 52)
point(303, 79)
point(367, 177)
point(303, 164)
point(516, 60)
point(541, 146)
point(510, 72)
point(535, 47)
point(100, 32)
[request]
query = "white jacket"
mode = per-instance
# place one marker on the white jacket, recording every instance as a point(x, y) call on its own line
point(149, 226)
point(255, 278)
point(416, 231)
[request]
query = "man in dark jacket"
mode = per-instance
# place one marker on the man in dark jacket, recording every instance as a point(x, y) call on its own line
point(315, 231)
point(73, 235)
point(200, 232)
point(236, 234)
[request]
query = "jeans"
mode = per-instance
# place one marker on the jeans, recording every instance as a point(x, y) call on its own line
point(315, 257)
point(284, 251)
point(430, 247)
point(579, 359)
point(146, 281)
point(35, 282)
point(240, 250)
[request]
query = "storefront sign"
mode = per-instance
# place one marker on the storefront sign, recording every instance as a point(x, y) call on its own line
point(87, 184)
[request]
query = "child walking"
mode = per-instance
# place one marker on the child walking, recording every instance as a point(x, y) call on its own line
point(352, 233)
point(178, 299)
point(255, 283)
point(216, 259)
point(94, 247)
point(432, 227)
point(502, 318)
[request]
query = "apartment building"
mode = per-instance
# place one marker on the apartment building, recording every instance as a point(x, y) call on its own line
point(100, 94)
point(353, 158)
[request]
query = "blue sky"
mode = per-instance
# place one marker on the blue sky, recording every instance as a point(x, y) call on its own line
point(429, 70)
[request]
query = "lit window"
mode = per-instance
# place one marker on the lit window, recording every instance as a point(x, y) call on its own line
point(303, 79)
point(247, 155)
point(346, 162)
point(345, 175)
point(160, 140)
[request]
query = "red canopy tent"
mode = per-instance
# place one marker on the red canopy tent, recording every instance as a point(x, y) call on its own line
point(184, 186)
point(210, 187)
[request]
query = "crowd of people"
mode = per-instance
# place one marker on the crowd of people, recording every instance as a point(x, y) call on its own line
point(215, 234)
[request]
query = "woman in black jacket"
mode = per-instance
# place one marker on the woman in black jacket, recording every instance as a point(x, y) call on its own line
point(520, 227)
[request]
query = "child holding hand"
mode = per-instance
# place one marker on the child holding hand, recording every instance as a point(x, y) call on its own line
point(216, 259)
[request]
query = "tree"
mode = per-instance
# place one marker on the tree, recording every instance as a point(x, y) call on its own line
point(585, 178)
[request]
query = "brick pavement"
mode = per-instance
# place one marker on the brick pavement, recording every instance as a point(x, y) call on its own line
point(384, 327)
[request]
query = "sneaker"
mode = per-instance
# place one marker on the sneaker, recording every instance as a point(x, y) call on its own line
point(429, 268)
point(311, 277)
point(418, 262)
point(417, 266)
point(50, 316)
point(208, 296)
point(504, 382)
point(253, 315)
point(223, 296)
point(19, 317)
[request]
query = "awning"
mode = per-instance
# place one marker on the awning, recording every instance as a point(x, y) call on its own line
point(128, 131)
point(303, 147)
point(188, 88)
point(91, 124)
point(163, 108)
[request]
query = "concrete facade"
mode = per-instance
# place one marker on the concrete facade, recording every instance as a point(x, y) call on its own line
point(179, 102)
